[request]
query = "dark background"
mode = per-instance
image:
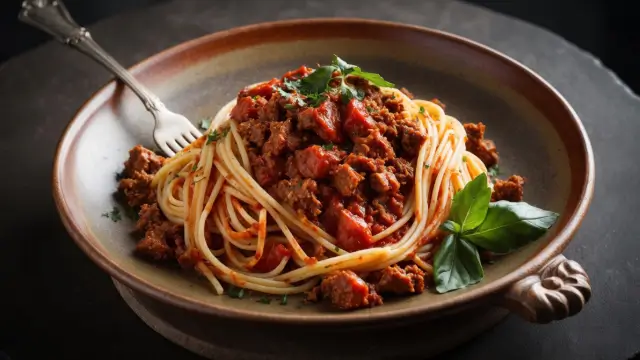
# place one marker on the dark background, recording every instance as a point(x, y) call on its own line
point(606, 28)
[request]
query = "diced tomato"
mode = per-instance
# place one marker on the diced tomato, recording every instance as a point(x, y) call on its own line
point(298, 73)
point(315, 162)
point(353, 233)
point(324, 120)
point(244, 110)
point(331, 215)
point(357, 121)
point(265, 89)
point(271, 257)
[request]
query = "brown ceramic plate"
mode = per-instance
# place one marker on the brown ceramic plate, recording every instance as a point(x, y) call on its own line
point(537, 133)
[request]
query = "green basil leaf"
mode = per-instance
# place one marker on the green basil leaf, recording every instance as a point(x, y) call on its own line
point(451, 227)
point(375, 79)
point(510, 225)
point(456, 265)
point(470, 204)
point(316, 82)
point(345, 68)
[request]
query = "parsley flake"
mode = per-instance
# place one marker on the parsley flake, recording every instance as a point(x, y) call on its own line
point(195, 167)
point(426, 166)
point(283, 301)
point(115, 215)
point(264, 300)
point(205, 123)
point(236, 292)
point(215, 135)
point(422, 110)
point(328, 146)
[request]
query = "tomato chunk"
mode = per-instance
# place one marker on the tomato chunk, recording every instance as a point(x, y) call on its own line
point(353, 232)
point(324, 120)
point(315, 162)
point(265, 89)
point(271, 257)
point(298, 73)
point(357, 121)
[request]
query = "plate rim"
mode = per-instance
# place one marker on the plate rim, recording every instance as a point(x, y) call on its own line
point(99, 256)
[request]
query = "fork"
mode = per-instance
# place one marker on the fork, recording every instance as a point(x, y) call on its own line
point(172, 132)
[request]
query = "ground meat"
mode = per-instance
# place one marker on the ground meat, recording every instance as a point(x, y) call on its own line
point(364, 164)
point(267, 169)
point(137, 176)
point(374, 146)
point(348, 291)
point(254, 131)
point(384, 182)
point(346, 180)
point(354, 233)
point(411, 139)
point(278, 140)
point(485, 150)
point(397, 280)
point(271, 111)
point(509, 190)
point(162, 239)
point(247, 108)
point(403, 170)
point(299, 194)
point(315, 162)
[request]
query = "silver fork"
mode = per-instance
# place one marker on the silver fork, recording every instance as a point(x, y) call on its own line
point(172, 132)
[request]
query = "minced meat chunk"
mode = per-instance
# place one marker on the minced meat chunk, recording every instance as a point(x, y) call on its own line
point(484, 149)
point(299, 194)
point(348, 291)
point(346, 180)
point(509, 190)
point(396, 280)
point(138, 174)
point(162, 240)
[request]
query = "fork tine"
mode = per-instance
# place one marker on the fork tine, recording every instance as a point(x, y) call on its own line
point(189, 136)
point(182, 141)
point(173, 145)
point(166, 150)
point(194, 130)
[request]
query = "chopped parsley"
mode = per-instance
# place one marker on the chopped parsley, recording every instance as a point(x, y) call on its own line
point(236, 292)
point(426, 166)
point(283, 301)
point(328, 146)
point(336, 248)
point(422, 110)
point(464, 159)
point(289, 106)
point(195, 167)
point(205, 123)
point(264, 300)
point(115, 215)
point(494, 171)
point(215, 135)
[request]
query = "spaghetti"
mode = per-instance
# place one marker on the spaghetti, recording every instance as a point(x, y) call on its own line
point(325, 182)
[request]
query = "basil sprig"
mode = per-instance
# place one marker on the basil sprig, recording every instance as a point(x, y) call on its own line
point(317, 84)
point(475, 222)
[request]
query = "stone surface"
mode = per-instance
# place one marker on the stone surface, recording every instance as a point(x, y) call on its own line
point(53, 296)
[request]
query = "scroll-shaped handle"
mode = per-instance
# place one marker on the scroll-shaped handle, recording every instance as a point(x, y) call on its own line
point(52, 17)
point(561, 289)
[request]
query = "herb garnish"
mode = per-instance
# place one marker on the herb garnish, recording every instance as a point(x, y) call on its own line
point(264, 300)
point(328, 146)
point(115, 215)
point(336, 248)
point(205, 123)
point(194, 167)
point(493, 171)
point(475, 222)
point(236, 292)
point(283, 301)
point(426, 166)
point(215, 135)
point(464, 158)
point(315, 86)
point(422, 110)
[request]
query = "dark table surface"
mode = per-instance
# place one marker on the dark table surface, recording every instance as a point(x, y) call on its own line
point(55, 303)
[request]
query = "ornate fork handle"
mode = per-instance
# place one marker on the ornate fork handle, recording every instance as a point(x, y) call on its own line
point(52, 17)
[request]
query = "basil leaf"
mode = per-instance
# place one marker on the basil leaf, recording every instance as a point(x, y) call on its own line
point(470, 204)
point(456, 265)
point(450, 226)
point(347, 93)
point(344, 67)
point(316, 82)
point(375, 79)
point(510, 225)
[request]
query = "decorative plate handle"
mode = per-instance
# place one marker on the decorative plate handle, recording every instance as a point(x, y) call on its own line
point(559, 290)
